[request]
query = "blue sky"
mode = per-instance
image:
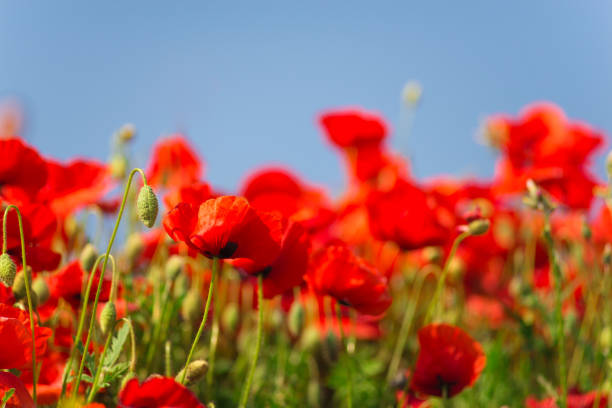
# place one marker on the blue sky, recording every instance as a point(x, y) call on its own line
point(245, 80)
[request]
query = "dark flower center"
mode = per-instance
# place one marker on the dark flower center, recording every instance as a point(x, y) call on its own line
point(228, 250)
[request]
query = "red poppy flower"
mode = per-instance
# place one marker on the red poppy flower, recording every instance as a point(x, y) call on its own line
point(49, 380)
point(335, 271)
point(542, 144)
point(39, 226)
point(352, 127)
point(157, 392)
point(574, 400)
point(22, 171)
point(407, 215)
point(173, 163)
point(194, 194)
point(227, 227)
point(6, 295)
point(288, 270)
point(277, 189)
point(360, 135)
point(448, 359)
point(21, 398)
point(410, 400)
point(15, 335)
point(74, 185)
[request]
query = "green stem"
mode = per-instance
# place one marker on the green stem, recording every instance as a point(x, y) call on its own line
point(27, 285)
point(106, 256)
point(81, 324)
point(214, 338)
point(94, 385)
point(349, 395)
point(247, 387)
point(402, 338)
point(440, 286)
point(168, 367)
point(211, 287)
point(558, 311)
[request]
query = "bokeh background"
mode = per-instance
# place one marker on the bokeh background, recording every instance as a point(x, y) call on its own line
point(245, 80)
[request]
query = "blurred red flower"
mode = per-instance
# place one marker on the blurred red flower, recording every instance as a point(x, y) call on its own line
point(22, 171)
point(74, 185)
point(335, 271)
point(574, 400)
point(39, 226)
point(157, 392)
point(449, 358)
point(409, 216)
point(21, 398)
point(543, 145)
point(173, 163)
point(16, 336)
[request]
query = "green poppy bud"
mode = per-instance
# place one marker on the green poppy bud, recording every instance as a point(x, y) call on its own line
point(108, 318)
point(296, 318)
point(88, 257)
point(126, 132)
point(19, 285)
point(147, 206)
point(191, 309)
point(8, 270)
point(195, 371)
point(479, 227)
point(40, 287)
point(134, 247)
point(230, 318)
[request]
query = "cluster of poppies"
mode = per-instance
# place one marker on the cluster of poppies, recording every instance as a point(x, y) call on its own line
point(396, 292)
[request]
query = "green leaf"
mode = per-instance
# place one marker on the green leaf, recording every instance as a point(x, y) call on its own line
point(7, 396)
point(116, 346)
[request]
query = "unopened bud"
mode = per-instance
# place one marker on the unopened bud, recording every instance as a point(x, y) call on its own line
point(605, 339)
point(174, 266)
point(134, 247)
point(108, 318)
point(8, 270)
point(295, 321)
point(41, 289)
point(147, 206)
point(19, 285)
point(607, 254)
point(432, 254)
point(118, 166)
point(230, 318)
point(126, 132)
point(412, 93)
point(195, 371)
point(479, 227)
point(191, 309)
point(311, 338)
point(88, 257)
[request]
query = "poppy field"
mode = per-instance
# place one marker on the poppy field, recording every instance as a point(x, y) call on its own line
point(128, 284)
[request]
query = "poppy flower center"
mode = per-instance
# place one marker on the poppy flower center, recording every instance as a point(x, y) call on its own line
point(228, 250)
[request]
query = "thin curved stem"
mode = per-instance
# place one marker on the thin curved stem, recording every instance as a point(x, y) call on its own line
point(349, 394)
point(440, 286)
point(402, 337)
point(214, 338)
point(247, 386)
point(81, 324)
point(27, 285)
point(106, 256)
point(211, 287)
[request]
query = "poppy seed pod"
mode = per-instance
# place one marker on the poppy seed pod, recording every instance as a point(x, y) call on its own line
point(191, 309)
point(118, 166)
point(40, 287)
point(19, 285)
point(108, 317)
point(174, 266)
point(88, 256)
point(478, 227)
point(8, 270)
point(296, 319)
point(195, 370)
point(147, 206)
